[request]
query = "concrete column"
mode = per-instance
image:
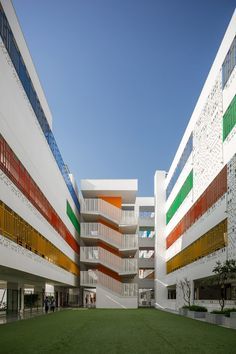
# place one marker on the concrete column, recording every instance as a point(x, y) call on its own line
point(57, 292)
point(160, 242)
point(21, 302)
point(38, 289)
point(192, 291)
point(12, 297)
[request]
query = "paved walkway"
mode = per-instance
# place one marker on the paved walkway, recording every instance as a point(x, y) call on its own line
point(7, 318)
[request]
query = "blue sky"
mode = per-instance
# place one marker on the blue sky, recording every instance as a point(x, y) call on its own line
point(122, 77)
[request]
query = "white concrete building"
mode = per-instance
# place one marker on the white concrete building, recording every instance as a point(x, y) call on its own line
point(146, 252)
point(39, 208)
point(100, 248)
point(117, 266)
point(195, 202)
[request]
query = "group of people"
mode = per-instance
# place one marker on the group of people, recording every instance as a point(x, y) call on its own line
point(90, 300)
point(49, 304)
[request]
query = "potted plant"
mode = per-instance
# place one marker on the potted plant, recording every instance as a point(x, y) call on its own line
point(223, 271)
point(216, 317)
point(232, 319)
point(195, 311)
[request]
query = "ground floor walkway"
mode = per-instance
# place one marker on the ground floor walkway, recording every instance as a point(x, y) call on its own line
point(137, 331)
point(27, 314)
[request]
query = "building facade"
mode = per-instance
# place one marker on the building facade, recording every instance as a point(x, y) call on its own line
point(104, 246)
point(39, 204)
point(146, 252)
point(117, 245)
point(195, 202)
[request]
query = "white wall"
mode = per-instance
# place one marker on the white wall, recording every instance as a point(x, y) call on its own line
point(160, 220)
point(108, 299)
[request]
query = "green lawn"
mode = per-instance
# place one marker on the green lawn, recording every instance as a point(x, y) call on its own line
point(114, 331)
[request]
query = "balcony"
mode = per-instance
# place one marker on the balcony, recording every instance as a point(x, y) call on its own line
point(96, 207)
point(146, 278)
point(146, 262)
point(122, 266)
point(146, 283)
point(92, 208)
point(146, 258)
point(146, 239)
point(88, 278)
point(146, 218)
point(89, 255)
point(129, 217)
point(97, 231)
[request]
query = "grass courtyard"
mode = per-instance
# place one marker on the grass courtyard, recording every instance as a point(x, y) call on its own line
point(114, 331)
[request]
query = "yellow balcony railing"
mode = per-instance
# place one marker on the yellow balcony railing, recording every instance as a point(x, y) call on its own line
point(16, 229)
point(208, 243)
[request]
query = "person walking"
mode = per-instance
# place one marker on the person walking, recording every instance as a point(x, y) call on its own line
point(53, 304)
point(46, 304)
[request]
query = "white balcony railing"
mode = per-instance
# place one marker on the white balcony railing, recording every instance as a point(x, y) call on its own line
point(93, 278)
point(129, 242)
point(123, 289)
point(109, 211)
point(108, 235)
point(101, 207)
point(129, 217)
point(88, 278)
point(108, 259)
point(89, 254)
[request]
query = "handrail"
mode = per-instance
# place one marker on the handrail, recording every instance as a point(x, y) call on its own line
point(110, 260)
point(88, 278)
point(110, 236)
point(100, 206)
point(123, 289)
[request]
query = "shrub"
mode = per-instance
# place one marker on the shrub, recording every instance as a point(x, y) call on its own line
point(225, 312)
point(197, 308)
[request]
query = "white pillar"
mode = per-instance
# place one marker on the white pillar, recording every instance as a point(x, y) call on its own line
point(160, 242)
point(38, 289)
point(12, 297)
point(21, 303)
point(192, 292)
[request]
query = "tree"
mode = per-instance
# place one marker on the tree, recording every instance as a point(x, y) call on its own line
point(224, 271)
point(185, 286)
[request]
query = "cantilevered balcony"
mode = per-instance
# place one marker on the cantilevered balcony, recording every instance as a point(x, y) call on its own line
point(91, 208)
point(94, 208)
point(96, 231)
point(129, 221)
point(122, 266)
point(89, 255)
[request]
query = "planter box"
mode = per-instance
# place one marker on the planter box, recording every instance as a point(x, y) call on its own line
point(196, 314)
point(183, 312)
point(232, 320)
point(226, 321)
point(215, 318)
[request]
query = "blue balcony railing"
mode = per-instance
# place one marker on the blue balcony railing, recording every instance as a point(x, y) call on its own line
point(19, 65)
